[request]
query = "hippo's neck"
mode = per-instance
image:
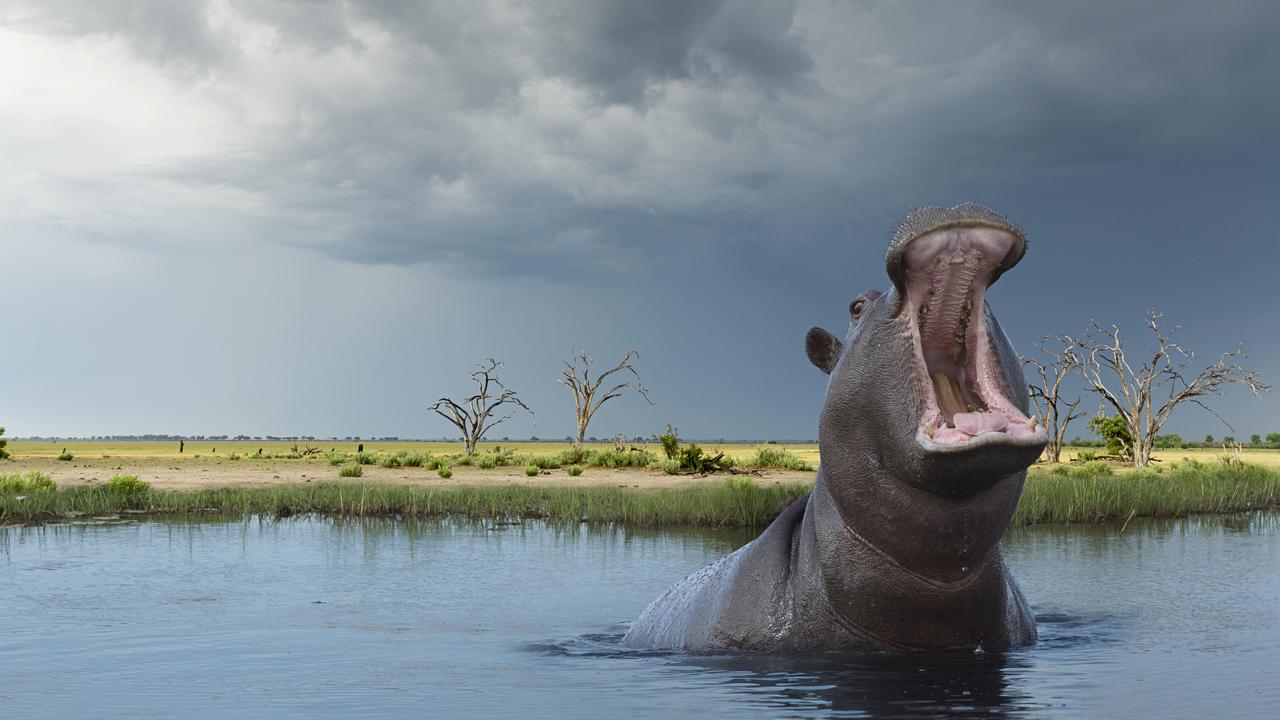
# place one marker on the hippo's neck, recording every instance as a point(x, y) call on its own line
point(934, 536)
point(883, 595)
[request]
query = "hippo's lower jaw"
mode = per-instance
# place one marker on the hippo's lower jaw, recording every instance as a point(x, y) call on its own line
point(964, 407)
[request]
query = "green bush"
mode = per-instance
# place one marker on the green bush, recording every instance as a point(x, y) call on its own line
point(33, 481)
point(1091, 469)
point(574, 470)
point(66, 456)
point(769, 457)
point(532, 470)
point(127, 485)
point(1097, 467)
point(415, 459)
point(486, 462)
point(574, 456)
point(366, 458)
point(1086, 456)
point(545, 462)
point(615, 459)
point(1116, 432)
point(4, 454)
point(692, 459)
point(670, 441)
point(335, 459)
point(390, 461)
point(444, 472)
point(464, 460)
point(351, 470)
point(671, 466)
point(233, 456)
point(739, 482)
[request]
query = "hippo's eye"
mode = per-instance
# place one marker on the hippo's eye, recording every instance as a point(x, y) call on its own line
point(856, 307)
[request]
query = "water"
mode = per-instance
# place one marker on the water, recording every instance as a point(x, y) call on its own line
point(311, 618)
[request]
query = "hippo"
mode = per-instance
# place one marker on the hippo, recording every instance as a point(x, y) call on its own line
point(926, 438)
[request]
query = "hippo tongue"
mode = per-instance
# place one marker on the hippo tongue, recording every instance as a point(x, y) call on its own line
point(973, 423)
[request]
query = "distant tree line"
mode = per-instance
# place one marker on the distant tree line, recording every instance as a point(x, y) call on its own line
point(1270, 441)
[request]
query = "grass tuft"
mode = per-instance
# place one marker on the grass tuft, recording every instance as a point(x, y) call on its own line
point(1083, 494)
point(351, 470)
point(709, 503)
point(127, 485)
point(415, 459)
point(34, 481)
point(1090, 494)
point(770, 457)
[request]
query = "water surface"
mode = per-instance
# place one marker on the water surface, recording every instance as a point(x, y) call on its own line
point(307, 617)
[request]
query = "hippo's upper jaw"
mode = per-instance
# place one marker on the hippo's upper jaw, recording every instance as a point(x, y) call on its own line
point(942, 266)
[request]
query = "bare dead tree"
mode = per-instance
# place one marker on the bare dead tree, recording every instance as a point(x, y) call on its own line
point(1062, 360)
point(1145, 396)
point(587, 393)
point(474, 416)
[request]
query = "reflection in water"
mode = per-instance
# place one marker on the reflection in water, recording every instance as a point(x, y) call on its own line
point(307, 617)
point(875, 684)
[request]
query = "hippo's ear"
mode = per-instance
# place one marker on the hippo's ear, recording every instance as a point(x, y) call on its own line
point(822, 348)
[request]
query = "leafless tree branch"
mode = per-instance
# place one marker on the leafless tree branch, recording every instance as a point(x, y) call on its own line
point(1063, 358)
point(474, 416)
point(1146, 396)
point(587, 396)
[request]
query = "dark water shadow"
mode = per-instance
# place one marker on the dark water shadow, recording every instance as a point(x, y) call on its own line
point(923, 684)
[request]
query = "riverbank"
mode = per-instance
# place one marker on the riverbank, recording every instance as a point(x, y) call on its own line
point(1083, 494)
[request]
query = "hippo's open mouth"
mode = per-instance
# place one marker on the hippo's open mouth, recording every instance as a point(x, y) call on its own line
point(946, 273)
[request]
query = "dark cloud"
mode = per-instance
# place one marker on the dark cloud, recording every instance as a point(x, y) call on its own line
point(472, 132)
point(669, 148)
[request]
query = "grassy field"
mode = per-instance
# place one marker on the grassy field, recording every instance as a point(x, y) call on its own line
point(1063, 494)
point(167, 452)
point(738, 502)
point(230, 477)
point(1254, 456)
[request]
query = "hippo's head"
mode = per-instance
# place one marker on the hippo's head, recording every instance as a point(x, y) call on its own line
point(925, 389)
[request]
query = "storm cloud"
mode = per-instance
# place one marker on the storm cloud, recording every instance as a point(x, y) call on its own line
point(661, 148)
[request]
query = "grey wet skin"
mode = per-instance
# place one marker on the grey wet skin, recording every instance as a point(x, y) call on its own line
point(925, 442)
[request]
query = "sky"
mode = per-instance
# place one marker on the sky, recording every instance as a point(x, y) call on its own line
point(316, 217)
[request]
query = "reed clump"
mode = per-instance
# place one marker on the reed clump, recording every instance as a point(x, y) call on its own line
point(703, 504)
point(33, 481)
point(1080, 494)
point(1089, 493)
point(127, 485)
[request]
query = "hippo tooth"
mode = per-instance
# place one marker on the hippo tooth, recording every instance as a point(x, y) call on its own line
point(1031, 422)
point(948, 393)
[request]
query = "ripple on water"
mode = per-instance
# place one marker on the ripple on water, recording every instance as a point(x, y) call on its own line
point(306, 618)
